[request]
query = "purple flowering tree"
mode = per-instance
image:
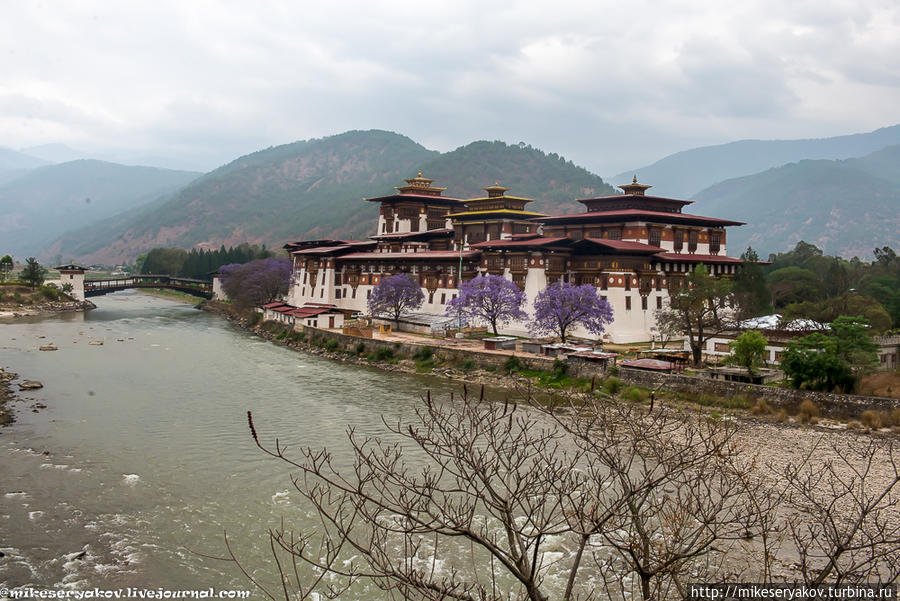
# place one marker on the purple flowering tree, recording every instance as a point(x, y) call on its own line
point(394, 295)
point(562, 306)
point(257, 282)
point(489, 298)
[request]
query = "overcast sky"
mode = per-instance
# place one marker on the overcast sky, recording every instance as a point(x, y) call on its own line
point(609, 85)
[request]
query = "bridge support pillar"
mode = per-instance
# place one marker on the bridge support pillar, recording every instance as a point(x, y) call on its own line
point(74, 276)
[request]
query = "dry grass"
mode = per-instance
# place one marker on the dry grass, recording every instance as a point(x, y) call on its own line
point(883, 383)
point(807, 412)
point(871, 419)
point(762, 408)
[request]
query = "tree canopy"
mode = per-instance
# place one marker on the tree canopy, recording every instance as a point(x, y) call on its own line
point(6, 266)
point(257, 282)
point(489, 298)
point(562, 306)
point(394, 295)
point(749, 350)
point(699, 309)
point(34, 273)
point(833, 360)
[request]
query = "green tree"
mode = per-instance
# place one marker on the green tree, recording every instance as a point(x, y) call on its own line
point(833, 360)
point(853, 344)
point(812, 363)
point(698, 309)
point(749, 350)
point(34, 273)
point(794, 285)
point(751, 293)
point(849, 303)
point(6, 266)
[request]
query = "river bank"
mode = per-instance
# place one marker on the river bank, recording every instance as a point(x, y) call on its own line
point(47, 308)
point(520, 381)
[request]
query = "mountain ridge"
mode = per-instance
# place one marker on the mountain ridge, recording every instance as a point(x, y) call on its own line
point(314, 188)
point(845, 207)
point(685, 173)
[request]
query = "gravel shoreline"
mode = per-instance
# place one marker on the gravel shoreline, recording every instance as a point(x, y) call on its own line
point(46, 308)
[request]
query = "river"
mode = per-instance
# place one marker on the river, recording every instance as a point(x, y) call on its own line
point(142, 458)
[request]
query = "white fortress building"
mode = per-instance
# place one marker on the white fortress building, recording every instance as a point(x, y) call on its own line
point(634, 248)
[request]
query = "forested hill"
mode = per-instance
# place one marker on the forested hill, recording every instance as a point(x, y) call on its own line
point(314, 189)
point(846, 208)
point(40, 204)
point(686, 173)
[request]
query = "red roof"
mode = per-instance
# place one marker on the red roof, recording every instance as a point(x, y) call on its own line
point(402, 235)
point(427, 254)
point(519, 243)
point(687, 258)
point(426, 197)
point(641, 213)
point(619, 197)
point(273, 305)
point(325, 250)
point(628, 245)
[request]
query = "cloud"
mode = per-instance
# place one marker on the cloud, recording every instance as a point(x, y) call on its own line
point(609, 85)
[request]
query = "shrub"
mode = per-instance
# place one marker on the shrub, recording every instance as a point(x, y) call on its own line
point(808, 411)
point(895, 416)
point(560, 368)
point(512, 364)
point(872, 419)
point(782, 416)
point(423, 353)
point(706, 399)
point(255, 318)
point(613, 371)
point(738, 401)
point(331, 345)
point(612, 385)
point(282, 335)
point(636, 395)
point(382, 354)
point(854, 425)
point(467, 364)
point(762, 408)
point(360, 348)
point(50, 293)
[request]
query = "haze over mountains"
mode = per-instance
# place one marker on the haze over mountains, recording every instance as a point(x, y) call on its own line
point(846, 207)
point(684, 174)
point(42, 203)
point(314, 188)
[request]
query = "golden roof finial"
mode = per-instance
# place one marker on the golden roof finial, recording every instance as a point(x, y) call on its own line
point(633, 181)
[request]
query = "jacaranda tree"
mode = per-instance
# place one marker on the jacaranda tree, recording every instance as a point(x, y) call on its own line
point(490, 298)
point(257, 282)
point(562, 306)
point(394, 295)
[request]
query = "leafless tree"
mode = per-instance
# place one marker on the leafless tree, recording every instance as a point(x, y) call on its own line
point(844, 521)
point(490, 501)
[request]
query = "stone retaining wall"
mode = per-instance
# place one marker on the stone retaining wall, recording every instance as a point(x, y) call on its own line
point(835, 405)
point(482, 359)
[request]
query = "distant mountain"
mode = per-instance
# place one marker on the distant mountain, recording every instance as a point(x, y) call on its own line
point(684, 174)
point(314, 189)
point(846, 208)
point(10, 160)
point(41, 204)
point(55, 153)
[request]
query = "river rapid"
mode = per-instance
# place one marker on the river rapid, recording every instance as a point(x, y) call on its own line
point(142, 458)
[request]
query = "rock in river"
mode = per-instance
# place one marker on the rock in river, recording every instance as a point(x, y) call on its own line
point(30, 385)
